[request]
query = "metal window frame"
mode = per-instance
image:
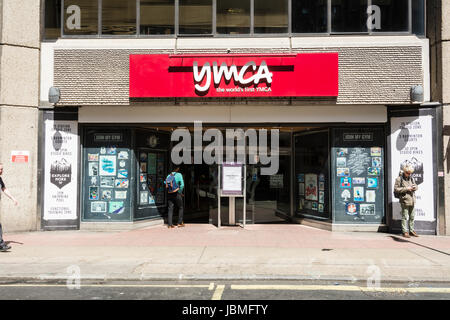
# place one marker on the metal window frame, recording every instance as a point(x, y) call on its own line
point(251, 33)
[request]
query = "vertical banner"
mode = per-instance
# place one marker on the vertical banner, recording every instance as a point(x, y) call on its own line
point(412, 143)
point(61, 175)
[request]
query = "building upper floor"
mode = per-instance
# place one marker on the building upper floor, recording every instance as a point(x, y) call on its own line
point(231, 18)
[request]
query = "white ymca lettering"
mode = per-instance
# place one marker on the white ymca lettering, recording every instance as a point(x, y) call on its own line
point(262, 72)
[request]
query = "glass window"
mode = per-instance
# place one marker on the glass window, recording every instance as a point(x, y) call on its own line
point(195, 17)
point(157, 17)
point(393, 16)
point(271, 16)
point(233, 16)
point(349, 15)
point(52, 19)
point(418, 17)
point(312, 182)
point(309, 16)
point(80, 17)
point(119, 17)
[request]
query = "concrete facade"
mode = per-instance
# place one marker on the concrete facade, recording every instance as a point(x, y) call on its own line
point(379, 73)
point(19, 93)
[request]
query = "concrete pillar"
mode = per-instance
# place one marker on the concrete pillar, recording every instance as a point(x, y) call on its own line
point(19, 96)
point(445, 56)
point(439, 33)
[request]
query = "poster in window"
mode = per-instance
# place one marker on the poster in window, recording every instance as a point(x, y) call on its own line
point(107, 165)
point(120, 194)
point(367, 209)
point(116, 207)
point(301, 189)
point(321, 197)
point(358, 194)
point(98, 207)
point(107, 182)
point(93, 169)
point(93, 193)
point(311, 192)
point(144, 197)
point(106, 194)
point(371, 196)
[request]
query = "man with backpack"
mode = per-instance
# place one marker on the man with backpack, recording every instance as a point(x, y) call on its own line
point(404, 189)
point(175, 185)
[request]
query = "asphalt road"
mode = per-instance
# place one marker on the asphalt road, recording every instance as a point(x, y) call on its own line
point(228, 291)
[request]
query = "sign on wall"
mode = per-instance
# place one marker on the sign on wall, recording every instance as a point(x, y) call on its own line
point(411, 143)
point(20, 156)
point(214, 76)
point(61, 175)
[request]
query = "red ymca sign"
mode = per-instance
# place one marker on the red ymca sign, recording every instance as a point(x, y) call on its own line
point(218, 76)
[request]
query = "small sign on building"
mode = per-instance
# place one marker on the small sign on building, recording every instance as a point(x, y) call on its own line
point(20, 156)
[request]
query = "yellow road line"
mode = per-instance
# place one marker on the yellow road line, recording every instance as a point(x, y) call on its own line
point(338, 288)
point(218, 293)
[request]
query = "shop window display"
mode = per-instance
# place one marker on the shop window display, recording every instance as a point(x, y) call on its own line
point(358, 175)
point(107, 175)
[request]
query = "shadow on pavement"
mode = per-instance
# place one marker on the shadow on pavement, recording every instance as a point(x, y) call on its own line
point(398, 239)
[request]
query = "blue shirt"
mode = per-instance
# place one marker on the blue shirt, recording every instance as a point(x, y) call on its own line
point(179, 180)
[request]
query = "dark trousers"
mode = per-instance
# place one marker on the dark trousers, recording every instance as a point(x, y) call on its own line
point(2, 243)
point(175, 199)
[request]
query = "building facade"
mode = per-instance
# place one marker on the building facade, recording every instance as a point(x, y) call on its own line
point(333, 95)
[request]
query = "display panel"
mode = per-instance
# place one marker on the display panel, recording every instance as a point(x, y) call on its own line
point(107, 178)
point(358, 175)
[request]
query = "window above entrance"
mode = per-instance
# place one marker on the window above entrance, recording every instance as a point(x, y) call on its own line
point(147, 18)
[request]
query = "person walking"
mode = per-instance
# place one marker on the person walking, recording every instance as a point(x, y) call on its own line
point(3, 245)
point(175, 185)
point(405, 188)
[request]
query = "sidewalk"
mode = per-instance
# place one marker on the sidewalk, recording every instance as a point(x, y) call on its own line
point(203, 252)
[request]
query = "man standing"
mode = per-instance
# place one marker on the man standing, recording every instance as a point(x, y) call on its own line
point(175, 185)
point(406, 187)
point(3, 245)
